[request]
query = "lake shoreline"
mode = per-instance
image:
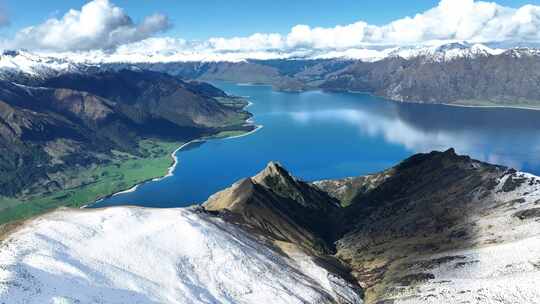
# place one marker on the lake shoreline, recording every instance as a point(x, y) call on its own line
point(489, 107)
point(175, 161)
point(449, 104)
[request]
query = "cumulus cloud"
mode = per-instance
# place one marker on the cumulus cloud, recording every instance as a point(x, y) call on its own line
point(450, 20)
point(98, 25)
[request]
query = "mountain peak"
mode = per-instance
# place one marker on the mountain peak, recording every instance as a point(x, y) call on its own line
point(445, 52)
point(453, 46)
point(295, 209)
point(272, 170)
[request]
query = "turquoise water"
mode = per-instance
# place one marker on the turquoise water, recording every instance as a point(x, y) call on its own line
point(319, 135)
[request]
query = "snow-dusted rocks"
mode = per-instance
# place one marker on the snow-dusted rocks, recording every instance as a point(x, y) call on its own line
point(503, 263)
point(14, 62)
point(135, 255)
point(503, 273)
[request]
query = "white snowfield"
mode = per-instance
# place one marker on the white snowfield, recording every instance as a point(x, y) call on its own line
point(137, 255)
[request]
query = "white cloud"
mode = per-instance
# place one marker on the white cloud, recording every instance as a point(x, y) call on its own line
point(450, 20)
point(254, 42)
point(98, 25)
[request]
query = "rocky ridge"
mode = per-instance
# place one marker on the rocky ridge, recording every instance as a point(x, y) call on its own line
point(414, 233)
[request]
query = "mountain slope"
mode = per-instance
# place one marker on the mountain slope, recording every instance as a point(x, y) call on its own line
point(145, 95)
point(56, 133)
point(434, 213)
point(506, 79)
point(175, 256)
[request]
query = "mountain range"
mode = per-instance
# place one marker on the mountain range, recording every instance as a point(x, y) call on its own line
point(455, 73)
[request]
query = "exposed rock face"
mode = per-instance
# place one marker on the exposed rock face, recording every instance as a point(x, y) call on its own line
point(427, 230)
point(345, 190)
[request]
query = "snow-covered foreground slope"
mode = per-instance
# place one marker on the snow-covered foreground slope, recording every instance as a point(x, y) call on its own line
point(136, 255)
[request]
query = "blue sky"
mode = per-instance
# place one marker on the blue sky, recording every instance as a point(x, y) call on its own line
point(200, 19)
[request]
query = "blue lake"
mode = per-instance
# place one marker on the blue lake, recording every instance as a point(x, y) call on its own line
point(319, 135)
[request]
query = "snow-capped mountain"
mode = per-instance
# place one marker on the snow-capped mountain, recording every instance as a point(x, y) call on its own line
point(523, 52)
point(435, 53)
point(39, 64)
point(34, 64)
point(445, 52)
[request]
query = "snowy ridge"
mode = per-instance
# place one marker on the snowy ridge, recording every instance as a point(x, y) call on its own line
point(446, 52)
point(523, 52)
point(46, 64)
point(506, 273)
point(50, 64)
point(137, 255)
point(438, 53)
point(35, 64)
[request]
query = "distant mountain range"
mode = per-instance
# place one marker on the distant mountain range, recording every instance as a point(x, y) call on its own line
point(455, 73)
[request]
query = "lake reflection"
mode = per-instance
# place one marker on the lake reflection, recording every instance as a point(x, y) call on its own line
point(487, 135)
point(330, 135)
